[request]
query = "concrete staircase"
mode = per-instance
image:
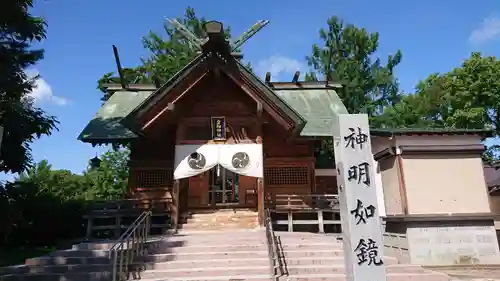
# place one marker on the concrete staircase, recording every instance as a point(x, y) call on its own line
point(186, 256)
point(227, 255)
point(319, 257)
point(225, 219)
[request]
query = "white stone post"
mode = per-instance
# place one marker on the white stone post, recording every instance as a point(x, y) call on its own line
point(361, 226)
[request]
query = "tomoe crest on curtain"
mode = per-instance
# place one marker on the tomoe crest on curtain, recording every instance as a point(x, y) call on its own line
point(240, 160)
point(196, 161)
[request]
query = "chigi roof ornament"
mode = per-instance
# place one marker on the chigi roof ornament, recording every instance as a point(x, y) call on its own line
point(215, 30)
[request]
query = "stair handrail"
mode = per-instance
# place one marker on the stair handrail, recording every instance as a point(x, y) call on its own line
point(130, 246)
point(272, 247)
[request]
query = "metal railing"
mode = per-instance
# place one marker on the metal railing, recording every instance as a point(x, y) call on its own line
point(130, 247)
point(272, 247)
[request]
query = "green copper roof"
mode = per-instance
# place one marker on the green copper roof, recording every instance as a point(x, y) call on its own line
point(273, 95)
point(429, 131)
point(105, 125)
point(318, 106)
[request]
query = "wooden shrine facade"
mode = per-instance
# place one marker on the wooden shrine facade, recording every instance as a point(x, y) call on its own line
point(216, 100)
point(289, 161)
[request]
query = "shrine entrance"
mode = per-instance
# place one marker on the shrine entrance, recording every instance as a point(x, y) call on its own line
point(223, 187)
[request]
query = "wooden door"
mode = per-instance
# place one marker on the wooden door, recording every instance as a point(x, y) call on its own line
point(247, 190)
point(198, 191)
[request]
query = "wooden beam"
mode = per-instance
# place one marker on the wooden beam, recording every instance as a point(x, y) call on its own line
point(295, 78)
point(260, 109)
point(137, 87)
point(169, 106)
point(119, 66)
point(248, 34)
point(268, 77)
point(195, 41)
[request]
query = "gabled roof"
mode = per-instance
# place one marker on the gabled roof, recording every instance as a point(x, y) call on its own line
point(105, 126)
point(195, 65)
point(310, 106)
point(159, 93)
point(317, 105)
point(274, 96)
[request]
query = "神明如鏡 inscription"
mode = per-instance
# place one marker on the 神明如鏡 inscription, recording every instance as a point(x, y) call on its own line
point(359, 214)
point(367, 252)
point(362, 213)
point(357, 137)
point(359, 173)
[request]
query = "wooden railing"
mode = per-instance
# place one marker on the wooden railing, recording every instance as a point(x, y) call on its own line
point(303, 202)
point(318, 204)
point(116, 213)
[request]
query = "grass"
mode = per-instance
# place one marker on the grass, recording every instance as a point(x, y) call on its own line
point(16, 256)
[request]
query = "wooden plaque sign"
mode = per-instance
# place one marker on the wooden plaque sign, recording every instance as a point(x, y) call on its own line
point(218, 128)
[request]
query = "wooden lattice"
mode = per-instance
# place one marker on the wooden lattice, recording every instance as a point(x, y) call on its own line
point(286, 175)
point(154, 178)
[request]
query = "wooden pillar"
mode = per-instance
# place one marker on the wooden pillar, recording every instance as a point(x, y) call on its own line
point(260, 201)
point(175, 204)
point(260, 181)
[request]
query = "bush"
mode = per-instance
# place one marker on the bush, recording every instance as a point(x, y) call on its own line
point(33, 218)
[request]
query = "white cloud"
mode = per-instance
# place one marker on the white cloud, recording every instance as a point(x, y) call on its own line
point(279, 66)
point(488, 30)
point(42, 92)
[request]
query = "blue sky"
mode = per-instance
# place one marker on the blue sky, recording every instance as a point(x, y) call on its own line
point(434, 36)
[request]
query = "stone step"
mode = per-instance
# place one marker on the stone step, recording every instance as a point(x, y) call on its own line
point(77, 276)
point(79, 253)
point(210, 263)
point(48, 260)
point(207, 249)
point(219, 212)
point(251, 261)
point(56, 269)
point(217, 234)
point(205, 256)
point(260, 245)
point(238, 253)
point(219, 225)
point(205, 271)
point(222, 216)
point(314, 245)
point(97, 276)
point(313, 253)
point(342, 277)
point(327, 260)
point(340, 269)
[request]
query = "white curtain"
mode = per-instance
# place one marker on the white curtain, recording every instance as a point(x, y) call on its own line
point(243, 159)
point(191, 160)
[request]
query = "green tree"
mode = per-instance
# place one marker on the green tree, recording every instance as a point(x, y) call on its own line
point(167, 56)
point(467, 97)
point(23, 122)
point(58, 183)
point(110, 180)
point(348, 56)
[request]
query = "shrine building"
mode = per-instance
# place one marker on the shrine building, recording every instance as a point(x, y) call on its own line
point(215, 136)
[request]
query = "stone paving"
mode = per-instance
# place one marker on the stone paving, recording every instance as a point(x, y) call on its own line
point(471, 273)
